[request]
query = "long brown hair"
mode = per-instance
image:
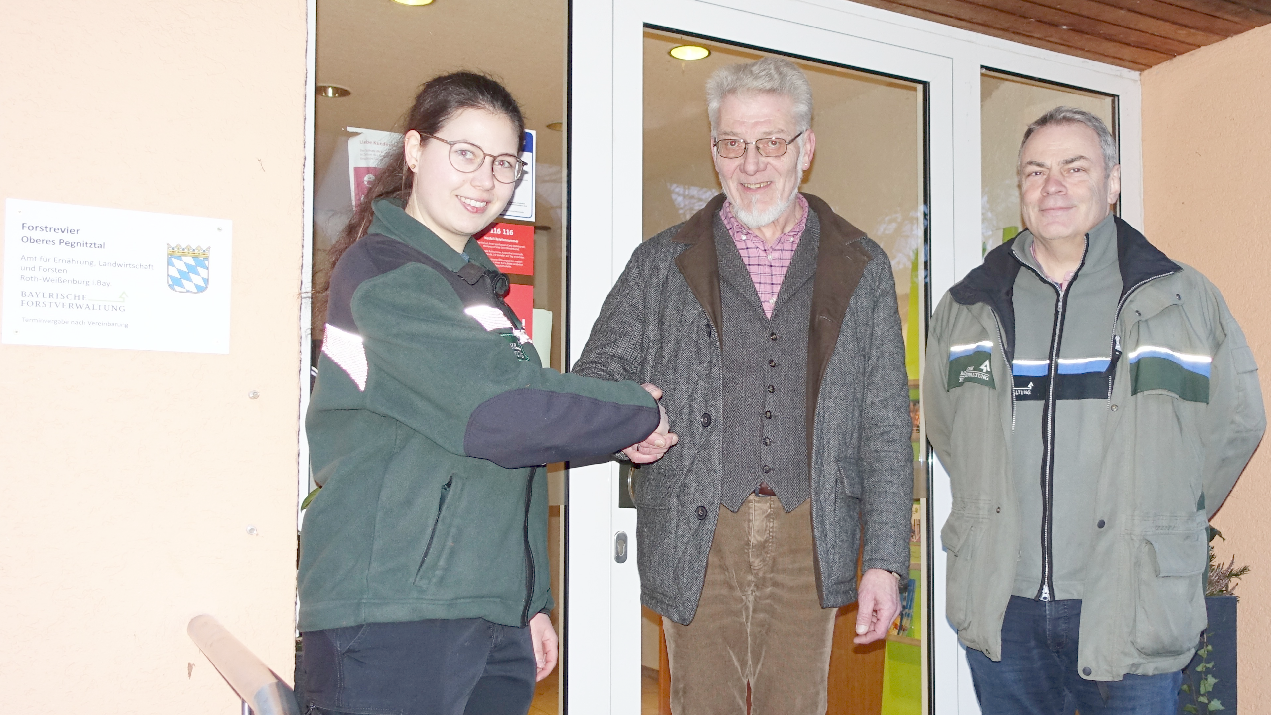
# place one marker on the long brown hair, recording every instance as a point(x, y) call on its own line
point(439, 100)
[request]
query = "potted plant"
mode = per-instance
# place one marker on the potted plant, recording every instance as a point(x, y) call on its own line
point(1209, 681)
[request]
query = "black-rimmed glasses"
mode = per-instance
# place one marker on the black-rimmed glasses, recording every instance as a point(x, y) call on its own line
point(771, 147)
point(468, 157)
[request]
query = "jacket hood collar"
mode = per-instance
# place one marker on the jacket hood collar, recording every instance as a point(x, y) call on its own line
point(993, 281)
point(1139, 259)
point(392, 220)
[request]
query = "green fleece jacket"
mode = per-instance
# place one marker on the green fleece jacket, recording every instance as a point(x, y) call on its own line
point(1184, 414)
point(430, 415)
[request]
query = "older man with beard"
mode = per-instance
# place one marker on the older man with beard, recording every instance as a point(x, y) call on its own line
point(771, 324)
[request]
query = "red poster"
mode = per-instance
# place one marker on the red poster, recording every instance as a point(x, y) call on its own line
point(520, 299)
point(510, 246)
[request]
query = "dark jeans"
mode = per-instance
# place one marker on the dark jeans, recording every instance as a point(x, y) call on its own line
point(1038, 672)
point(438, 667)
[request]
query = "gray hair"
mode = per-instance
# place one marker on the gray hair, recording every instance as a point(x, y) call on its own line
point(775, 75)
point(1072, 115)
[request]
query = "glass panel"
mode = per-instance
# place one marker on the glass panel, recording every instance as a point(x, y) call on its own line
point(382, 52)
point(870, 167)
point(1008, 104)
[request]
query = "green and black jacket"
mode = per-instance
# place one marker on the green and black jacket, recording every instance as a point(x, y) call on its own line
point(430, 415)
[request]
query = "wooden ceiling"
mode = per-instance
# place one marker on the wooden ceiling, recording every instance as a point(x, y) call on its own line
point(1137, 34)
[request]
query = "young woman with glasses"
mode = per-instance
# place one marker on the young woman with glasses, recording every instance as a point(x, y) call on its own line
point(423, 571)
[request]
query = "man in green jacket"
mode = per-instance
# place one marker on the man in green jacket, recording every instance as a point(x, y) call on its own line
point(1093, 402)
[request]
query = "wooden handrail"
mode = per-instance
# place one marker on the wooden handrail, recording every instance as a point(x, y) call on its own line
point(255, 683)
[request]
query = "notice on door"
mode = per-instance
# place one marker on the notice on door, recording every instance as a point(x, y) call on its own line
point(78, 276)
point(509, 246)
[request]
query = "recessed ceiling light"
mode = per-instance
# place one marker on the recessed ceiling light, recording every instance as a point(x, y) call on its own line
point(556, 126)
point(413, 3)
point(690, 52)
point(333, 90)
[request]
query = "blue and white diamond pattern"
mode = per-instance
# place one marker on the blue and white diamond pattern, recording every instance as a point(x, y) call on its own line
point(187, 274)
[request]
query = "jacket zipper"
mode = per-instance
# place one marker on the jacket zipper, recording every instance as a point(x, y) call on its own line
point(441, 505)
point(529, 553)
point(1047, 589)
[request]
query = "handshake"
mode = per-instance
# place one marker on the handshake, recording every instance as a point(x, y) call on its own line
point(655, 445)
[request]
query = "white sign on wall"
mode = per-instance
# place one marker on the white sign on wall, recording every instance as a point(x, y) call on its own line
point(521, 207)
point(368, 150)
point(78, 276)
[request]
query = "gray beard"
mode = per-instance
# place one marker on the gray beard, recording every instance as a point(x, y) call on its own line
point(756, 220)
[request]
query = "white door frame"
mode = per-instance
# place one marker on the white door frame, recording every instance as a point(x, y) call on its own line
point(604, 209)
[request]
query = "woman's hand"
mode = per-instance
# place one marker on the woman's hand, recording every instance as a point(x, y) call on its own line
point(546, 646)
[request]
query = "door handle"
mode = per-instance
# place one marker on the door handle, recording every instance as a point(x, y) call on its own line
point(620, 547)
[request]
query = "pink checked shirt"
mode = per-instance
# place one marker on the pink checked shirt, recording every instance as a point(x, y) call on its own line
point(767, 266)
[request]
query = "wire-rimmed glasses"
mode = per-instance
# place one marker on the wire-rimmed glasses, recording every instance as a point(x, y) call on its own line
point(468, 157)
point(771, 147)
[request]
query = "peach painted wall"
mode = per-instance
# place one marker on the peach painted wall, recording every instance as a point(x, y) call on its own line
point(1206, 149)
point(129, 478)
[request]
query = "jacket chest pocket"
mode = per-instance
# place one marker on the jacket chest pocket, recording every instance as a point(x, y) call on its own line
point(1165, 356)
point(1169, 608)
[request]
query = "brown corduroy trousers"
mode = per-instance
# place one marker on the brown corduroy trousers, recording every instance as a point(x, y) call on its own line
point(759, 620)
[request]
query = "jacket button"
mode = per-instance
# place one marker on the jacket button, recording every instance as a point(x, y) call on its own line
point(773, 336)
point(1085, 671)
point(701, 513)
point(767, 414)
point(767, 441)
point(772, 363)
point(999, 510)
point(772, 388)
point(1102, 523)
point(1113, 408)
point(706, 419)
point(767, 469)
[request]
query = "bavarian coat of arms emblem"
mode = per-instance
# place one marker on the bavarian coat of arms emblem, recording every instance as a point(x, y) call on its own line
point(188, 268)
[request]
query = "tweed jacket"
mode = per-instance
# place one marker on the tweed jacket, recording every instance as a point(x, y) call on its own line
point(661, 324)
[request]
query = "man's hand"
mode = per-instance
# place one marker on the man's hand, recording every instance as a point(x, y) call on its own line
point(878, 604)
point(545, 644)
point(655, 445)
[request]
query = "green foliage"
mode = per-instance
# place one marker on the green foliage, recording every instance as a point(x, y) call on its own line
point(309, 500)
point(1198, 682)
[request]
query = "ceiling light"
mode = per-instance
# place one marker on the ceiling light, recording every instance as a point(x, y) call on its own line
point(690, 52)
point(333, 90)
point(556, 126)
point(413, 3)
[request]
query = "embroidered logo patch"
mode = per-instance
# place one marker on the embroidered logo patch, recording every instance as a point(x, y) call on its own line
point(971, 363)
point(495, 321)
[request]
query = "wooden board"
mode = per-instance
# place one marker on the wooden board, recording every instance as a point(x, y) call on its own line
point(1129, 33)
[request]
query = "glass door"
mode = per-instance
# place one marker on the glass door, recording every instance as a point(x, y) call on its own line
point(639, 163)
